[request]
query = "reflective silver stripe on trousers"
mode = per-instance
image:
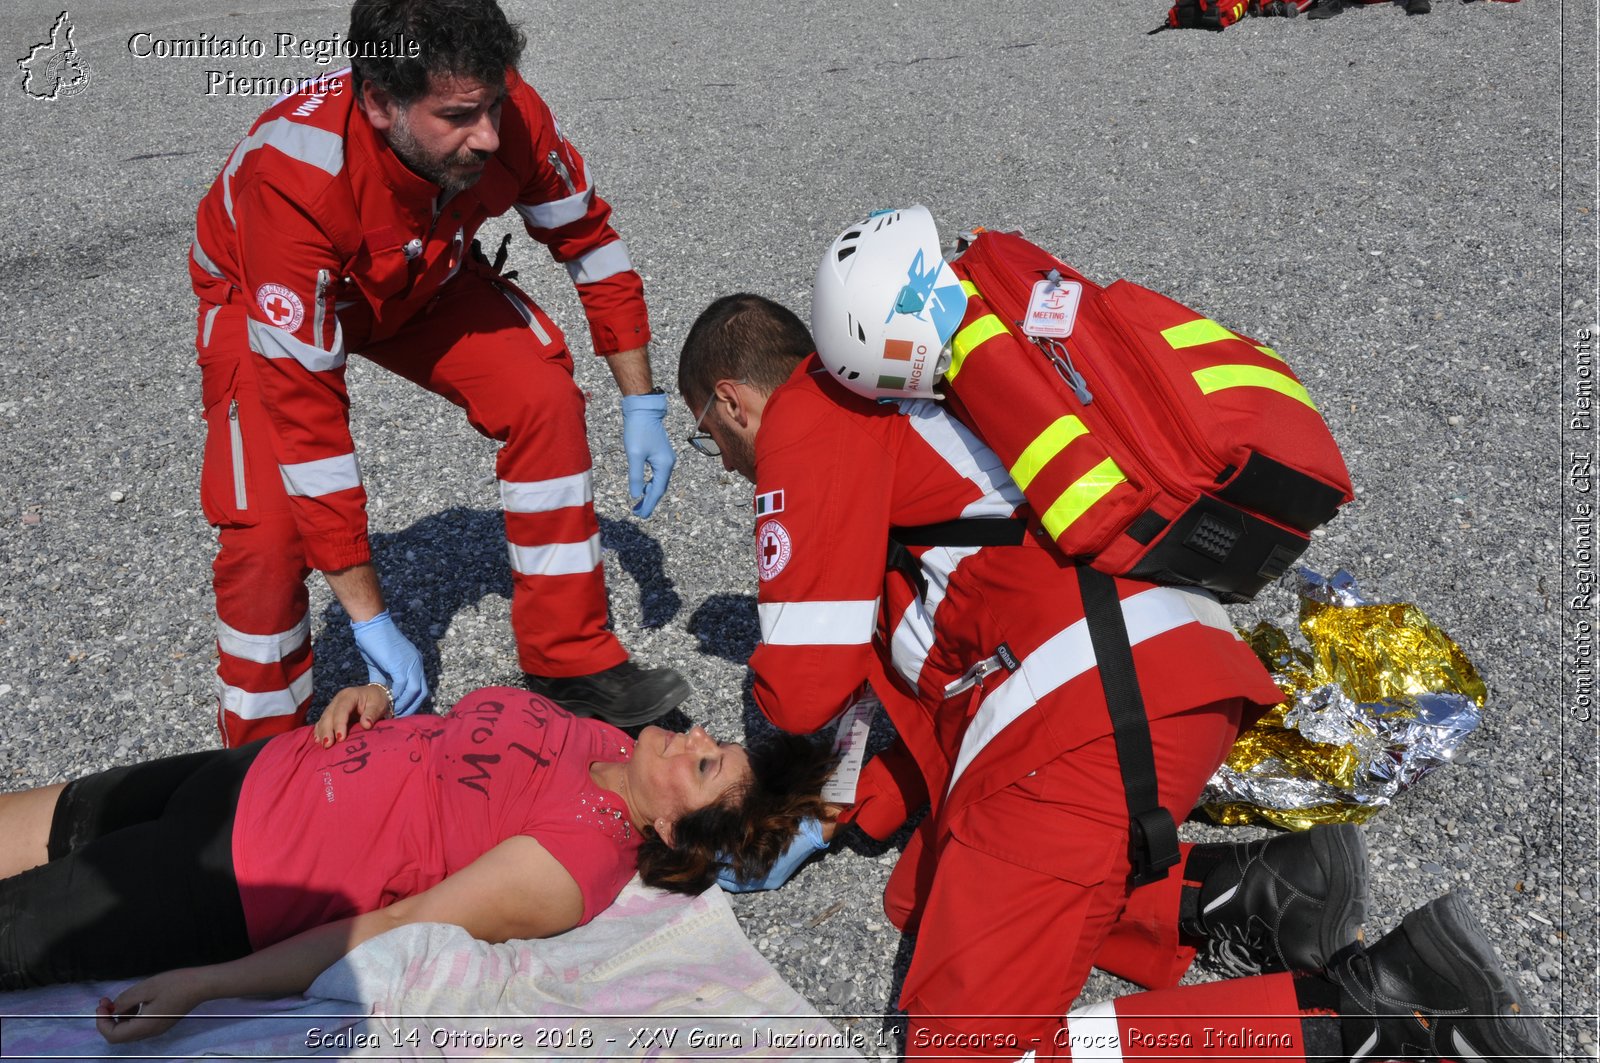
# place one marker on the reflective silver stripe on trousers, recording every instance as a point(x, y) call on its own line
point(557, 212)
point(818, 623)
point(262, 649)
point(308, 144)
point(1092, 1032)
point(272, 342)
point(556, 559)
point(257, 705)
point(205, 330)
point(203, 259)
point(545, 496)
point(528, 316)
point(1068, 654)
point(600, 263)
point(313, 479)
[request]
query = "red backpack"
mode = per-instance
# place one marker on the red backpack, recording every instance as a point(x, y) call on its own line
point(1220, 14)
point(1150, 441)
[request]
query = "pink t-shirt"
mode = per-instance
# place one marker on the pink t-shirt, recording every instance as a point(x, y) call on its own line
point(321, 834)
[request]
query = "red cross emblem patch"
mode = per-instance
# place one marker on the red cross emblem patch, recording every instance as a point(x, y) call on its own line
point(281, 306)
point(772, 549)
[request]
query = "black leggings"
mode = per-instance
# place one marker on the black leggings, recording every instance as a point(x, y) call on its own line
point(140, 877)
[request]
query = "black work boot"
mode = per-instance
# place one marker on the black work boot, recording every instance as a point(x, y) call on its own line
point(1285, 903)
point(1432, 990)
point(625, 695)
point(1418, 7)
point(1326, 9)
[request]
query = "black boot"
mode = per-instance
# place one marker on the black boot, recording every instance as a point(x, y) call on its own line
point(1418, 7)
point(624, 696)
point(1286, 903)
point(1326, 9)
point(1432, 990)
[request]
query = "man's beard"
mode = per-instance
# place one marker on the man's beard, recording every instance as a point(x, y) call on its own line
point(433, 167)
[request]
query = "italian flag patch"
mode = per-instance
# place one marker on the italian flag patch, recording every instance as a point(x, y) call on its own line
point(769, 503)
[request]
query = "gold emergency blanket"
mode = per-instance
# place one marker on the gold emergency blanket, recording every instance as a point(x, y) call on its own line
point(1379, 699)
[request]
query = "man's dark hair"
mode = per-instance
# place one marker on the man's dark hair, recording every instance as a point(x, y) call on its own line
point(750, 829)
point(467, 38)
point(741, 337)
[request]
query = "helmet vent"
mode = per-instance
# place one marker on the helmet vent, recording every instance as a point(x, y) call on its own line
point(845, 252)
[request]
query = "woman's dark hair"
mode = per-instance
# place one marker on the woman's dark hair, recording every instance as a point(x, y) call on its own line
point(741, 337)
point(750, 829)
point(398, 44)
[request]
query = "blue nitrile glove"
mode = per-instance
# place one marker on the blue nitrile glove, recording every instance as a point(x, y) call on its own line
point(644, 440)
point(392, 661)
point(807, 842)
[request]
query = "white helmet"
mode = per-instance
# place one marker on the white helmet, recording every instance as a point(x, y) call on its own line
point(885, 306)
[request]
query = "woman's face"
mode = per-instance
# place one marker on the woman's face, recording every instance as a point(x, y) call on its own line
point(672, 774)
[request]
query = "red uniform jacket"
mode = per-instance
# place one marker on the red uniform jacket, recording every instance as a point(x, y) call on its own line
point(329, 243)
point(834, 473)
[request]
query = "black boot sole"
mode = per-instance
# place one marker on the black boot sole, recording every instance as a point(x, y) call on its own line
point(1446, 936)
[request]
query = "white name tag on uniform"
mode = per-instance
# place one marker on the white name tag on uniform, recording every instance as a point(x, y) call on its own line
point(850, 745)
point(1052, 309)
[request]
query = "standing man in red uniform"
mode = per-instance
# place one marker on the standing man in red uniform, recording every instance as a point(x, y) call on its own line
point(1017, 881)
point(342, 224)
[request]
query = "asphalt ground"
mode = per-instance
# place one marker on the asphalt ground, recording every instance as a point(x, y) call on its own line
point(1402, 206)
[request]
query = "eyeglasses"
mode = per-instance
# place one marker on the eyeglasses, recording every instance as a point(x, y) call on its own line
point(700, 439)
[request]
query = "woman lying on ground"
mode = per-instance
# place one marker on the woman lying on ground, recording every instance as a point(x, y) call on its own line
point(508, 817)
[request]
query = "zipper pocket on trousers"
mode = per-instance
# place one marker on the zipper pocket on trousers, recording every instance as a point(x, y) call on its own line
point(236, 445)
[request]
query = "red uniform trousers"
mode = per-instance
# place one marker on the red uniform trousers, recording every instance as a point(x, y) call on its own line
point(1026, 890)
point(489, 349)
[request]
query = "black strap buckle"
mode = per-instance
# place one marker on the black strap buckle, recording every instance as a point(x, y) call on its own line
point(1154, 843)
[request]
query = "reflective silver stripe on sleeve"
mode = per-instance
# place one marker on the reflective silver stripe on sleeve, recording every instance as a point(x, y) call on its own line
point(262, 649)
point(271, 342)
point(600, 263)
point(556, 559)
point(967, 455)
point(557, 212)
point(914, 635)
point(543, 496)
point(258, 705)
point(1068, 654)
point(307, 144)
point(203, 259)
point(1092, 1032)
point(818, 623)
point(313, 479)
point(205, 330)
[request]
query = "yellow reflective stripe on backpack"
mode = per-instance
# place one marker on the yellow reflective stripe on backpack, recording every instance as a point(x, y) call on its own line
point(1046, 445)
point(968, 339)
point(970, 288)
point(1076, 500)
point(1194, 333)
point(1219, 377)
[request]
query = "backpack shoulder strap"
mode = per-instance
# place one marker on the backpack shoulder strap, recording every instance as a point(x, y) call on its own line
point(1152, 836)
